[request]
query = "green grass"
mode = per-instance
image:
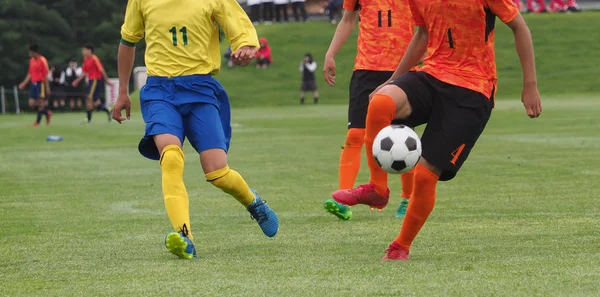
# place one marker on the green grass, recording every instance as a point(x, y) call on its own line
point(85, 217)
point(566, 51)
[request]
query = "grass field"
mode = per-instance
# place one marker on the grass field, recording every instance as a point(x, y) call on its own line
point(85, 216)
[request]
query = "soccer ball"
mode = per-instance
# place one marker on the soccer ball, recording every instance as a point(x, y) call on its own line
point(397, 148)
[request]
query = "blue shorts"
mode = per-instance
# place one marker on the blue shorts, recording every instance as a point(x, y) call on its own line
point(195, 107)
point(95, 89)
point(37, 90)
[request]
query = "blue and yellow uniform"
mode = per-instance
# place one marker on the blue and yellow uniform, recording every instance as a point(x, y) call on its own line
point(182, 53)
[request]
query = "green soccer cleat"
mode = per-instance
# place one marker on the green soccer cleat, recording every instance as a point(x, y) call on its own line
point(402, 208)
point(339, 210)
point(180, 245)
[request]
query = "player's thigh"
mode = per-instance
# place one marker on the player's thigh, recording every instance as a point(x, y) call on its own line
point(209, 131)
point(458, 118)
point(164, 123)
point(414, 96)
point(362, 84)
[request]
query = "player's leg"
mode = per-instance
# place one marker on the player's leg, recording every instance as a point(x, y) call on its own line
point(89, 100)
point(457, 120)
point(302, 93)
point(407, 180)
point(164, 125)
point(209, 131)
point(315, 92)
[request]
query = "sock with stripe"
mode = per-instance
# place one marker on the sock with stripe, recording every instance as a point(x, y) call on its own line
point(231, 183)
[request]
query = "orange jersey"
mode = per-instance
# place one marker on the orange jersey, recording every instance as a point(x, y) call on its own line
point(38, 69)
point(461, 40)
point(385, 30)
point(93, 67)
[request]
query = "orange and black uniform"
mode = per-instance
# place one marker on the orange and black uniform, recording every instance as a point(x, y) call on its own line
point(94, 69)
point(38, 70)
point(385, 30)
point(453, 92)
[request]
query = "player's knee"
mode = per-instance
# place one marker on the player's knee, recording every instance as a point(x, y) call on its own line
point(172, 159)
point(434, 169)
point(213, 160)
point(355, 137)
point(403, 108)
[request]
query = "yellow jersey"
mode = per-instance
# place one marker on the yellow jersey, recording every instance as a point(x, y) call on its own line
point(182, 36)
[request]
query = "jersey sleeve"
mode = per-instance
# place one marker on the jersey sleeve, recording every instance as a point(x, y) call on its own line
point(506, 10)
point(132, 30)
point(235, 24)
point(98, 64)
point(351, 5)
point(414, 10)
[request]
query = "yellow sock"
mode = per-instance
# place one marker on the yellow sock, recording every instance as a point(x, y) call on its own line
point(176, 197)
point(231, 183)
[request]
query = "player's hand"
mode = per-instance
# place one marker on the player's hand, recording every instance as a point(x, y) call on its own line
point(532, 102)
point(329, 70)
point(48, 91)
point(123, 102)
point(75, 83)
point(22, 86)
point(243, 55)
point(110, 83)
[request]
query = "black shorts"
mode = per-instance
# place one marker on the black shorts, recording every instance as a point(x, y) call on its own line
point(455, 118)
point(362, 83)
point(310, 85)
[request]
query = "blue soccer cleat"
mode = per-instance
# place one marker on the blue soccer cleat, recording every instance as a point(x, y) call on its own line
point(264, 216)
point(180, 245)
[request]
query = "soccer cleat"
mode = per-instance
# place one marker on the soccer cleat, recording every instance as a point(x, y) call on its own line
point(35, 125)
point(402, 208)
point(180, 245)
point(395, 253)
point(339, 210)
point(85, 121)
point(363, 194)
point(109, 111)
point(263, 215)
point(48, 117)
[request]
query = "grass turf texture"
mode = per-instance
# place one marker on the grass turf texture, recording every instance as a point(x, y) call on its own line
point(85, 216)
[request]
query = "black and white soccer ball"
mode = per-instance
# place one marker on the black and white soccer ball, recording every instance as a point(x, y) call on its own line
point(397, 148)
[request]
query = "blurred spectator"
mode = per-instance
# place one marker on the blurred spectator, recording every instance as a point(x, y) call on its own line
point(254, 11)
point(518, 4)
point(227, 56)
point(281, 10)
point(299, 10)
point(268, 8)
point(562, 6)
point(263, 56)
point(57, 97)
point(536, 6)
point(333, 7)
point(68, 77)
point(308, 67)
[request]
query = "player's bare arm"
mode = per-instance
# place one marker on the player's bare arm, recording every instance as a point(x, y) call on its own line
point(414, 54)
point(25, 81)
point(530, 94)
point(342, 33)
point(125, 59)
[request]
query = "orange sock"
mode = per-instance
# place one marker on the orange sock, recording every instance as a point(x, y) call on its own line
point(382, 111)
point(407, 183)
point(421, 204)
point(350, 158)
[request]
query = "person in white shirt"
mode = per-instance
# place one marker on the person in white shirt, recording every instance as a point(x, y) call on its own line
point(281, 10)
point(308, 67)
point(299, 9)
point(268, 9)
point(254, 11)
point(67, 77)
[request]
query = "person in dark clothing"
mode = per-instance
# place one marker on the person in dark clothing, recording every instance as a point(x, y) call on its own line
point(57, 98)
point(299, 9)
point(281, 10)
point(308, 67)
point(68, 76)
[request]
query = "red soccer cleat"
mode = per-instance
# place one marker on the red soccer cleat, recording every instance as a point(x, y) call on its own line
point(363, 194)
point(395, 253)
point(48, 117)
point(34, 125)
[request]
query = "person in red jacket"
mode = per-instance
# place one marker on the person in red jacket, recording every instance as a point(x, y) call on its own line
point(263, 55)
